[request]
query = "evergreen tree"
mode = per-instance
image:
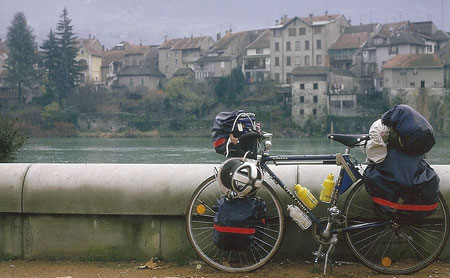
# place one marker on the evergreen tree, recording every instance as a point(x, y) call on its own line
point(20, 71)
point(50, 63)
point(68, 70)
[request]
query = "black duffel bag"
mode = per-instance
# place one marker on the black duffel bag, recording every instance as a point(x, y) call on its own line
point(236, 222)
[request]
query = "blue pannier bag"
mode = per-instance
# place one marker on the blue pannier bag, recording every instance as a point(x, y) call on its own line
point(237, 123)
point(415, 132)
point(403, 184)
point(237, 221)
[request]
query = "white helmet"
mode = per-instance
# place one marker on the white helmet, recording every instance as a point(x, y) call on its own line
point(238, 178)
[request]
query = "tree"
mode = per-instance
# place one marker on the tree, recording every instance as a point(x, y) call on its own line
point(181, 96)
point(68, 70)
point(20, 71)
point(11, 139)
point(230, 86)
point(50, 62)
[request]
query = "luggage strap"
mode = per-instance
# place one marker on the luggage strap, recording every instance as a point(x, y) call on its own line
point(235, 230)
point(403, 206)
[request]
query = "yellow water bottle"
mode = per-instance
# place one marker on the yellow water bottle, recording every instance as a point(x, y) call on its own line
point(306, 196)
point(327, 189)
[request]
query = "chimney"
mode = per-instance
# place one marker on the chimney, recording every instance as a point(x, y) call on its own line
point(311, 17)
point(326, 12)
point(231, 30)
point(277, 22)
point(89, 36)
point(165, 38)
point(192, 37)
point(218, 36)
point(103, 47)
point(285, 17)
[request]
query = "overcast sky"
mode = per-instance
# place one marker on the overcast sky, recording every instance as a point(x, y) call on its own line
point(148, 21)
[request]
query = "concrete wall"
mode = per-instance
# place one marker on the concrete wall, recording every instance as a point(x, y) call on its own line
point(126, 211)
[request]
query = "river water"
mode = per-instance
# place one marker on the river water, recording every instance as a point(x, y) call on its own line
point(176, 150)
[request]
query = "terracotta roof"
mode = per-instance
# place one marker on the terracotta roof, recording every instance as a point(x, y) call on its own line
point(263, 41)
point(137, 49)
point(413, 61)
point(320, 18)
point(404, 37)
point(139, 71)
point(112, 56)
point(388, 29)
point(183, 43)
point(238, 40)
point(92, 45)
point(310, 70)
point(353, 40)
point(361, 28)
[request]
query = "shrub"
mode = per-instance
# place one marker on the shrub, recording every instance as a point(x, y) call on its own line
point(11, 139)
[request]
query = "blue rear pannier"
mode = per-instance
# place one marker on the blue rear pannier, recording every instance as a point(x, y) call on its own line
point(236, 222)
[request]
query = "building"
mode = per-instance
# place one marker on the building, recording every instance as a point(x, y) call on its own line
point(414, 71)
point(226, 54)
point(181, 53)
point(135, 66)
point(256, 64)
point(318, 91)
point(140, 78)
point(89, 58)
point(303, 42)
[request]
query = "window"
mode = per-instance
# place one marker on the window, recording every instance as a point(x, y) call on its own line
point(315, 86)
point(319, 59)
point(288, 61)
point(319, 44)
point(292, 32)
point(222, 65)
point(277, 61)
point(142, 81)
point(381, 83)
point(302, 112)
point(422, 84)
point(314, 112)
point(315, 99)
point(130, 82)
point(306, 60)
point(297, 45)
point(259, 50)
point(317, 29)
point(277, 46)
point(302, 87)
point(302, 98)
point(412, 84)
point(167, 55)
point(393, 50)
point(306, 45)
point(436, 48)
point(277, 77)
point(302, 31)
point(288, 78)
point(82, 51)
point(277, 33)
point(176, 62)
point(288, 46)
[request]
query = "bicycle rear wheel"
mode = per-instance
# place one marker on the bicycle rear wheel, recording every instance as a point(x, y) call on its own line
point(200, 228)
point(392, 245)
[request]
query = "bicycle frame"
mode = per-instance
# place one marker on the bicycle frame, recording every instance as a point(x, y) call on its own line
point(347, 168)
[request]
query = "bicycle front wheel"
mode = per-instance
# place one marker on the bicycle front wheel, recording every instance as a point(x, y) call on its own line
point(200, 229)
point(393, 245)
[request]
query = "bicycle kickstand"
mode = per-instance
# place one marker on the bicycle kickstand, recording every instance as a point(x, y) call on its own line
point(317, 254)
point(333, 242)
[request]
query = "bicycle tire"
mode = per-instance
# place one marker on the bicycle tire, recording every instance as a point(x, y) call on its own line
point(400, 246)
point(199, 229)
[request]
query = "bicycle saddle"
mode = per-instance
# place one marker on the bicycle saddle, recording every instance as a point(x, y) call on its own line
point(350, 140)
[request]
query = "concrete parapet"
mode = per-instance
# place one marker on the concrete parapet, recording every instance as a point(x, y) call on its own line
point(125, 211)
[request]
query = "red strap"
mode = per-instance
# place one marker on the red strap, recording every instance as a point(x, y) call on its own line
point(404, 207)
point(218, 142)
point(235, 230)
